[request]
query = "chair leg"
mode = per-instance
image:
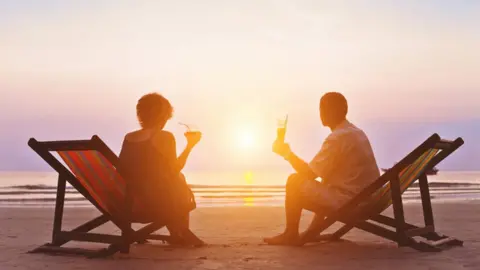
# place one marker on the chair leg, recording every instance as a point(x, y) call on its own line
point(426, 202)
point(314, 234)
point(336, 236)
point(398, 211)
point(140, 236)
point(54, 250)
point(125, 249)
point(388, 221)
point(142, 242)
point(86, 227)
point(342, 231)
point(126, 238)
point(59, 206)
point(145, 232)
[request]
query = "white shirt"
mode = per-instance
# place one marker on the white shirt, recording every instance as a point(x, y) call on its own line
point(346, 162)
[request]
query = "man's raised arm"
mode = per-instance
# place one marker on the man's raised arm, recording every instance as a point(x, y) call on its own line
point(321, 164)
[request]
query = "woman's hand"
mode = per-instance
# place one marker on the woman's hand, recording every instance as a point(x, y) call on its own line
point(193, 137)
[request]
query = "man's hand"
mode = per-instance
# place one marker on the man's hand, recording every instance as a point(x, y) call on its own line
point(192, 138)
point(282, 149)
point(300, 166)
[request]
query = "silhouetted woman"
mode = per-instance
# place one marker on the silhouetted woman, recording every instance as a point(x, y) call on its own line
point(149, 161)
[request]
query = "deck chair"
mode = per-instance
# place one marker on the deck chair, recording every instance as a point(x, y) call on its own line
point(364, 210)
point(90, 169)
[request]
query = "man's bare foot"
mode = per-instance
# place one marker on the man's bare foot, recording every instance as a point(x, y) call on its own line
point(284, 239)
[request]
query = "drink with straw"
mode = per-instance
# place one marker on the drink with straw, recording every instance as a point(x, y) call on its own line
point(191, 132)
point(282, 129)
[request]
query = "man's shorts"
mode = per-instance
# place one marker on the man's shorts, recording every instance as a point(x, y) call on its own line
point(320, 195)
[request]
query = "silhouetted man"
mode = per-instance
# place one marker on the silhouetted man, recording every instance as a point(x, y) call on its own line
point(345, 163)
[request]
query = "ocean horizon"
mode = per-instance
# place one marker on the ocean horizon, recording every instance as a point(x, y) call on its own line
point(220, 189)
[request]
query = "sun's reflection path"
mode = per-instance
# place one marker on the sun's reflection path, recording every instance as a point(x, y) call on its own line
point(248, 200)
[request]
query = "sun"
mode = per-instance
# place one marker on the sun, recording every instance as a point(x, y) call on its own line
point(246, 139)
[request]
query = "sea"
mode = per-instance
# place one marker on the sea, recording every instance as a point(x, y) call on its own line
point(223, 189)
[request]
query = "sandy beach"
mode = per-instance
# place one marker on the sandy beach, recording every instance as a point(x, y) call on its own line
point(235, 234)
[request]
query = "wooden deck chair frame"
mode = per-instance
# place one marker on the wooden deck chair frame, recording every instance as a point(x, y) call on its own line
point(368, 217)
point(117, 243)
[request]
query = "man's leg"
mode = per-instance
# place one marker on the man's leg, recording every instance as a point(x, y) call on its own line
point(322, 204)
point(293, 211)
point(293, 206)
point(317, 219)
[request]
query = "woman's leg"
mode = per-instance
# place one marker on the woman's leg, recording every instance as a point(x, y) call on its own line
point(181, 227)
point(178, 226)
point(181, 233)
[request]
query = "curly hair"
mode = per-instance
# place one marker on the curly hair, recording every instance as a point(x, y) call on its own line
point(153, 109)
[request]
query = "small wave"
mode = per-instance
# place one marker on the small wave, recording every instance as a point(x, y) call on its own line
point(417, 198)
point(238, 188)
point(242, 191)
point(235, 196)
point(34, 187)
point(19, 192)
point(193, 186)
point(448, 184)
point(40, 200)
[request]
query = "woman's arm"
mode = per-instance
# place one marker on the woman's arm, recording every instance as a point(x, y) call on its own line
point(192, 139)
point(182, 159)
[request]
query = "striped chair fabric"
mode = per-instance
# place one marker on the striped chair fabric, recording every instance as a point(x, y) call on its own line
point(407, 177)
point(99, 177)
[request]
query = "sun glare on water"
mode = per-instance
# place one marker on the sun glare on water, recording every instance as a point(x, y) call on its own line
point(248, 201)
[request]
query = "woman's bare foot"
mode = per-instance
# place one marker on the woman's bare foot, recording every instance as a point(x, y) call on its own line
point(177, 240)
point(191, 239)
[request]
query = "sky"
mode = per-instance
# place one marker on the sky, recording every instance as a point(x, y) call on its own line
point(71, 69)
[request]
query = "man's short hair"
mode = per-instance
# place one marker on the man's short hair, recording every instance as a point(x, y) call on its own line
point(153, 108)
point(334, 103)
